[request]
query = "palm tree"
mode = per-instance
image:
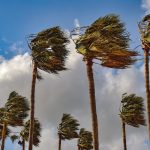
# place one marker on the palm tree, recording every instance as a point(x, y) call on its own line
point(131, 113)
point(24, 134)
point(106, 40)
point(85, 141)
point(48, 54)
point(13, 114)
point(67, 129)
point(144, 27)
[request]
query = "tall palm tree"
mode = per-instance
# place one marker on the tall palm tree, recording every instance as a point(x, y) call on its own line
point(85, 141)
point(106, 40)
point(24, 134)
point(13, 114)
point(144, 28)
point(131, 113)
point(48, 54)
point(67, 129)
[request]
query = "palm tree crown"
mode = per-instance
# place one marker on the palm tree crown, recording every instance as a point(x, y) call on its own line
point(15, 110)
point(144, 27)
point(24, 134)
point(132, 111)
point(68, 127)
point(13, 114)
point(107, 40)
point(85, 141)
point(49, 50)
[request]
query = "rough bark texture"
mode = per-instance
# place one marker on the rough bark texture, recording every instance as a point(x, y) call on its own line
point(3, 136)
point(59, 144)
point(23, 144)
point(124, 135)
point(146, 60)
point(34, 75)
point(93, 103)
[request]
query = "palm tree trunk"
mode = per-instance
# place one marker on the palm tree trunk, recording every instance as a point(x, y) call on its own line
point(3, 136)
point(146, 60)
point(78, 147)
point(124, 135)
point(59, 144)
point(93, 103)
point(23, 144)
point(34, 75)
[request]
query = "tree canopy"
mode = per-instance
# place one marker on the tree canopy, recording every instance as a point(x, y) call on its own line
point(107, 40)
point(15, 110)
point(68, 127)
point(132, 111)
point(49, 49)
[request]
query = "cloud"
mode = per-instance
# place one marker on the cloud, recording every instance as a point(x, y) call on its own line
point(146, 5)
point(76, 23)
point(76, 31)
point(17, 48)
point(68, 93)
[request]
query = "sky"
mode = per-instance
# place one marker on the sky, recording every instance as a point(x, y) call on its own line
point(68, 91)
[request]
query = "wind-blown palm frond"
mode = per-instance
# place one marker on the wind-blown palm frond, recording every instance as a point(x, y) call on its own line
point(132, 111)
point(13, 114)
point(16, 109)
point(68, 127)
point(85, 141)
point(49, 50)
point(105, 38)
point(14, 138)
point(24, 134)
point(144, 27)
point(2, 112)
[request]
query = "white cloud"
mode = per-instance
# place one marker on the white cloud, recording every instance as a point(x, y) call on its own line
point(17, 48)
point(76, 23)
point(76, 30)
point(68, 93)
point(146, 5)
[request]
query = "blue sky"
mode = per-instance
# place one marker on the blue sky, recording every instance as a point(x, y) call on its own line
point(19, 18)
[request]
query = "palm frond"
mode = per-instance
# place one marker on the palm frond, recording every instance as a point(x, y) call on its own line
point(14, 138)
point(85, 141)
point(144, 28)
point(15, 110)
point(133, 109)
point(105, 38)
point(36, 133)
point(68, 127)
point(49, 50)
